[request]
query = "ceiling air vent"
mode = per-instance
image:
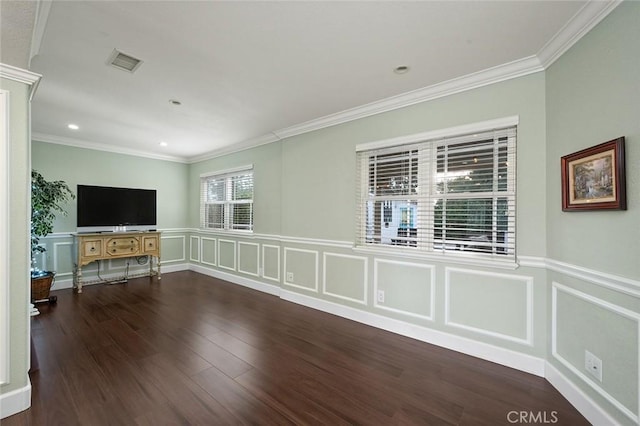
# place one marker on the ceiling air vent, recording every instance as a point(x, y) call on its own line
point(123, 61)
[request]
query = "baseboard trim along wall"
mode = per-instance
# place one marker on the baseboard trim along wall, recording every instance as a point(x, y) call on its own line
point(583, 403)
point(506, 357)
point(15, 401)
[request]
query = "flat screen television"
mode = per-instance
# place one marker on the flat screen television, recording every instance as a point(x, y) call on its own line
point(110, 209)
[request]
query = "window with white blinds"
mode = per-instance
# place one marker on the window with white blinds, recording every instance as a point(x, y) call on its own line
point(454, 194)
point(226, 200)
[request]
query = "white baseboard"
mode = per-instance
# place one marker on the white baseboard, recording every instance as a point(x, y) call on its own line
point(580, 400)
point(235, 279)
point(15, 401)
point(506, 357)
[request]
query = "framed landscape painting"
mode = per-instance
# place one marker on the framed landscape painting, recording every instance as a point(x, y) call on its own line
point(594, 178)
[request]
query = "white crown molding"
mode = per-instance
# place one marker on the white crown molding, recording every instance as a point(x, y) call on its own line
point(518, 68)
point(580, 24)
point(59, 140)
point(248, 144)
point(21, 76)
point(42, 16)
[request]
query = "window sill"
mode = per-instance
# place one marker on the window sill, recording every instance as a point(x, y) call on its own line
point(463, 259)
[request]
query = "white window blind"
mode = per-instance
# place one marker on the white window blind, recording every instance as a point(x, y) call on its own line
point(226, 200)
point(450, 194)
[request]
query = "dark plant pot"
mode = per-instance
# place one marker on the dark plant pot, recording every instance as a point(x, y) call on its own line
point(41, 286)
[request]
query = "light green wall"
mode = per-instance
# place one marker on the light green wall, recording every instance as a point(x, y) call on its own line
point(19, 178)
point(88, 167)
point(593, 95)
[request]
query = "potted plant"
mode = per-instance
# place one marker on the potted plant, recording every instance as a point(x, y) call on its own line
point(46, 200)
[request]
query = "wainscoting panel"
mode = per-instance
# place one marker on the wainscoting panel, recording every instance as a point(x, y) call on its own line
point(301, 268)
point(489, 303)
point(194, 248)
point(173, 249)
point(249, 258)
point(581, 322)
point(63, 259)
point(208, 250)
point(408, 288)
point(345, 277)
point(271, 262)
point(227, 254)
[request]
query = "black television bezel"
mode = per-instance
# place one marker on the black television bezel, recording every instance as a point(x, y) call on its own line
point(117, 224)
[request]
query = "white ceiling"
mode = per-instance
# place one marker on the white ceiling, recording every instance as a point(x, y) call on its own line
point(250, 72)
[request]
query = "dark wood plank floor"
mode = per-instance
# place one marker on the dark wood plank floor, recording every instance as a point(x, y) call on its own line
point(194, 350)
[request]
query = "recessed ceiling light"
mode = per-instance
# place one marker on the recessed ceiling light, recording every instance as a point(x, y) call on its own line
point(174, 102)
point(402, 69)
point(73, 126)
point(163, 144)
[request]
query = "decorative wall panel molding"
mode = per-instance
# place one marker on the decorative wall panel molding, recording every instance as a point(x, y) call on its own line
point(363, 283)
point(429, 286)
point(526, 307)
point(273, 249)
point(618, 310)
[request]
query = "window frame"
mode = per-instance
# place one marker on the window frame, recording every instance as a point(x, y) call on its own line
point(227, 177)
point(425, 220)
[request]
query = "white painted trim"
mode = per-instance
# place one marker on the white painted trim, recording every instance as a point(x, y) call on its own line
point(257, 272)
point(497, 74)
point(264, 275)
point(479, 127)
point(317, 242)
point(578, 398)
point(229, 171)
point(191, 238)
point(432, 288)
point(528, 281)
point(184, 248)
point(603, 279)
point(580, 24)
point(507, 357)
point(15, 401)
point(232, 278)
point(21, 76)
point(215, 251)
point(5, 327)
point(77, 143)
point(220, 240)
point(532, 262)
point(56, 267)
point(365, 267)
point(449, 258)
point(231, 149)
point(43, 8)
point(285, 282)
point(635, 417)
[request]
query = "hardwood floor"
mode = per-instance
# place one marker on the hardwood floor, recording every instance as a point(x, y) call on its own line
point(194, 350)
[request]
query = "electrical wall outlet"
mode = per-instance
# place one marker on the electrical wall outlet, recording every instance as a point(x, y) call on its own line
point(380, 296)
point(290, 277)
point(593, 365)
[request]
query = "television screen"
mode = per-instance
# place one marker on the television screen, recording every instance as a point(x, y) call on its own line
point(102, 208)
